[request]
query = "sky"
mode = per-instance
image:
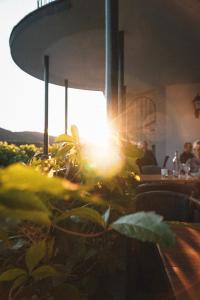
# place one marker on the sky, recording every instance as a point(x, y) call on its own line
point(22, 96)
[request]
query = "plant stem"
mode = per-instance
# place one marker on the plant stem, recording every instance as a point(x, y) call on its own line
point(87, 235)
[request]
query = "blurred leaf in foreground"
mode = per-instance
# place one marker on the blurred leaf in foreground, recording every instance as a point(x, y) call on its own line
point(145, 226)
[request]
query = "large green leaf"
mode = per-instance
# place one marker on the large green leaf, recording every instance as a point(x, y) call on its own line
point(145, 227)
point(35, 254)
point(87, 213)
point(26, 178)
point(24, 205)
point(12, 274)
point(44, 272)
point(25, 200)
point(22, 214)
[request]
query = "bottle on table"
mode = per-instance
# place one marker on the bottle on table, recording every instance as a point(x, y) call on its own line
point(176, 165)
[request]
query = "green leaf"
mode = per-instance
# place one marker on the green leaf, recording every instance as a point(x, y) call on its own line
point(35, 254)
point(12, 274)
point(25, 200)
point(44, 272)
point(64, 138)
point(21, 177)
point(27, 215)
point(19, 281)
point(145, 227)
point(23, 205)
point(66, 291)
point(89, 214)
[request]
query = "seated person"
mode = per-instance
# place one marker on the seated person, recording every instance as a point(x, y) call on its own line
point(148, 157)
point(187, 153)
point(194, 162)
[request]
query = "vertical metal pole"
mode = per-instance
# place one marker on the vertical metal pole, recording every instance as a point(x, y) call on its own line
point(111, 56)
point(125, 114)
point(121, 111)
point(66, 105)
point(46, 110)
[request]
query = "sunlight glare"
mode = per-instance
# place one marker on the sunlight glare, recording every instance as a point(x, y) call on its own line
point(103, 152)
point(90, 116)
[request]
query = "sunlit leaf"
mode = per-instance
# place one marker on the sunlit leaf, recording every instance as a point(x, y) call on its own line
point(87, 213)
point(26, 178)
point(35, 254)
point(12, 274)
point(145, 227)
point(23, 205)
point(44, 272)
point(106, 216)
point(137, 178)
point(27, 215)
point(75, 133)
point(68, 185)
point(64, 138)
point(17, 199)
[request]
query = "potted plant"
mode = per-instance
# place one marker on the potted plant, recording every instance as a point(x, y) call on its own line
point(64, 239)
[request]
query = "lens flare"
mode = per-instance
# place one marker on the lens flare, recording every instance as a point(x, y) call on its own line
point(103, 152)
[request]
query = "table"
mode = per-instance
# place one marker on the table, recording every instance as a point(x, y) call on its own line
point(182, 262)
point(169, 179)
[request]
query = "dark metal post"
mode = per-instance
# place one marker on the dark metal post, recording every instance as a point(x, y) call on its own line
point(66, 105)
point(46, 109)
point(121, 111)
point(111, 56)
point(125, 114)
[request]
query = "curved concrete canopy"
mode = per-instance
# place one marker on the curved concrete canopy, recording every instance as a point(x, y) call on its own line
point(162, 42)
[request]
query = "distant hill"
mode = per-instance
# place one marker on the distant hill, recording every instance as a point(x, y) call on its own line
point(23, 137)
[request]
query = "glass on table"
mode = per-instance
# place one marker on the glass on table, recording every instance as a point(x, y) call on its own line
point(164, 172)
point(185, 170)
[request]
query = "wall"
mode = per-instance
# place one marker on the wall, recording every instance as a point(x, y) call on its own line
point(146, 119)
point(175, 121)
point(181, 124)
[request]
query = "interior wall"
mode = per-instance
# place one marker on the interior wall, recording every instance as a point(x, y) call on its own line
point(181, 124)
point(146, 120)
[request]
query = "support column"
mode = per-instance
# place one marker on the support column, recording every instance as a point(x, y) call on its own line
point(46, 109)
point(111, 56)
point(66, 104)
point(125, 114)
point(121, 88)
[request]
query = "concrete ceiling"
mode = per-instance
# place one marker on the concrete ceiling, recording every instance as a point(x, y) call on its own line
point(162, 42)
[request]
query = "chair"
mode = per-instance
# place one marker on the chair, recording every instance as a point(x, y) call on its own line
point(171, 205)
point(164, 186)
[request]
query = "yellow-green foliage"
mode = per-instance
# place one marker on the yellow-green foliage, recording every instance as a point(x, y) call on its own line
point(66, 230)
point(65, 217)
point(10, 153)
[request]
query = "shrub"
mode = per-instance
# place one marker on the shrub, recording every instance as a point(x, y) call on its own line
point(10, 153)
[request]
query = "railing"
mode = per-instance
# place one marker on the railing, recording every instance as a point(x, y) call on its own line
point(43, 2)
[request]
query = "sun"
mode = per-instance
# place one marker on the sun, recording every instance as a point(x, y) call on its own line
point(87, 110)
